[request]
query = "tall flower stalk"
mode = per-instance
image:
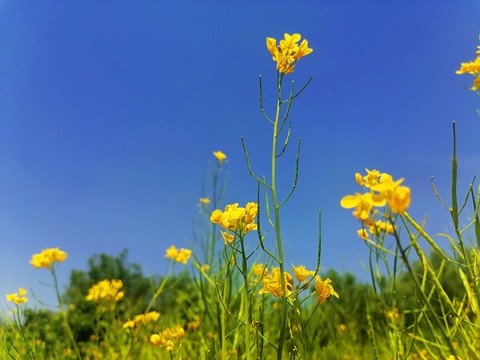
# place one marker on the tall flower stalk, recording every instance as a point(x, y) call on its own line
point(285, 54)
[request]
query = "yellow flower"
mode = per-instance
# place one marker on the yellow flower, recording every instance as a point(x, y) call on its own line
point(381, 226)
point(236, 218)
point(195, 324)
point(205, 201)
point(106, 290)
point(400, 199)
point(260, 270)
point(472, 68)
point(287, 52)
point(142, 319)
point(342, 327)
point(324, 289)
point(228, 238)
point(164, 339)
point(362, 203)
point(181, 256)
point(301, 274)
point(371, 178)
point(47, 257)
point(272, 283)
point(18, 298)
point(129, 324)
point(363, 234)
point(219, 155)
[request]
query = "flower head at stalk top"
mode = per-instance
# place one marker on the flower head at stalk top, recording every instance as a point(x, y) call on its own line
point(179, 255)
point(236, 218)
point(47, 257)
point(220, 156)
point(18, 298)
point(287, 52)
point(473, 68)
point(205, 201)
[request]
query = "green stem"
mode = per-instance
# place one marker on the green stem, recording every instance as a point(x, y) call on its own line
point(246, 302)
point(276, 209)
point(64, 315)
point(159, 290)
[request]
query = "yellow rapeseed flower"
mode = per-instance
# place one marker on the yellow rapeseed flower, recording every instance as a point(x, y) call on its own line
point(164, 339)
point(106, 290)
point(287, 52)
point(324, 289)
point(47, 257)
point(400, 199)
point(301, 274)
point(205, 201)
point(236, 218)
point(220, 156)
point(18, 298)
point(473, 68)
point(363, 234)
point(272, 283)
point(180, 255)
point(363, 204)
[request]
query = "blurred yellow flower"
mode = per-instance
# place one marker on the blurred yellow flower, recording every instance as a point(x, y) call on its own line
point(260, 270)
point(219, 155)
point(180, 255)
point(47, 257)
point(164, 339)
point(106, 290)
point(301, 274)
point(400, 199)
point(287, 52)
point(381, 226)
point(236, 218)
point(324, 289)
point(363, 234)
point(18, 298)
point(205, 201)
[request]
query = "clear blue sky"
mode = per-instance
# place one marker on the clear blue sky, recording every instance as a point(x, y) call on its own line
point(110, 111)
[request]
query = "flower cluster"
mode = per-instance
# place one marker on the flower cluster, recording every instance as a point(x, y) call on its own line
point(18, 298)
point(141, 319)
point(238, 219)
point(47, 257)
point(164, 339)
point(180, 255)
point(272, 283)
point(473, 68)
point(106, 290)
point(382, 190)
point(287, 52)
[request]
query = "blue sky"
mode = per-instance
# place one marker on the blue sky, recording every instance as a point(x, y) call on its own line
point(110, 111)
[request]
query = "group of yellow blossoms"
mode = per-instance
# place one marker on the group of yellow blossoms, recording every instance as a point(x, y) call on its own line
point(106, 290)
point(381, 190)
point(47, 257)
point(18, 298)
point(473, 68)
point(166, 337)
point(179, 255)
point(237, 219)
point(141, 319)
point(287, 52)
point(272, 282)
